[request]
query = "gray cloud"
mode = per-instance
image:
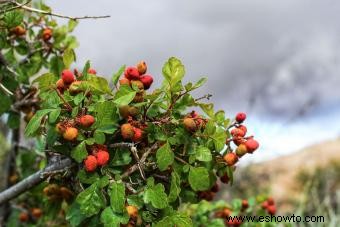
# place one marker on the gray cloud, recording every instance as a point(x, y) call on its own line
point(280, 54)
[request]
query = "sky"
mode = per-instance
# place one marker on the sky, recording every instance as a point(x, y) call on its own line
point(278, 61)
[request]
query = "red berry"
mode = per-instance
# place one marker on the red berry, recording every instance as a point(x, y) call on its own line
point(240, 117)
point(90, 163)
point(270, 201)
point(243, 128)
point(138, 134)
point(127, 131)
point(224, 179)
point(92, 71)
point(67, 76)
point(86, 120)
point(245, 204)
point(70, 133)
point(230, 158)
point(271, 209)
point(215, 188)
point(147, 80)
point(47, 34)
point(102, 157)
point(142, 67)
point(60, 85)
point(264, 205)
point(124, 81)
point(236, 132)
point(131, 73)
point(251, 145)
point(24, 217)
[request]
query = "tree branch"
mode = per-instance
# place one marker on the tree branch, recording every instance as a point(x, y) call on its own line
point(24, 7)
point(34, 179)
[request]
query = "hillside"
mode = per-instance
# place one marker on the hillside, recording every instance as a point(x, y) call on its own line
point(279, 177)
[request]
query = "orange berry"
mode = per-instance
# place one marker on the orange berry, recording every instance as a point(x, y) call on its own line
point(70, 133)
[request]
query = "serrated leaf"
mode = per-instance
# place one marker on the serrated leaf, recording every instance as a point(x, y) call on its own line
point(116, 76)
point(106, 115)
point(74, 215)
point(86, 177)
point(68, 57)
point(124, 95)
point(13, 18)
point(173, 71)
point(35, 122)
point(175, 219)
point(208, 108)
point(156, 196)
point(45, 81)
point(203, 154)
point(199, 178)
point(91, 200)
point(99, 137)
point(219, 138)
point(165, 157)
point(53, 116)
point(175, 187)
point(79, 153)
point(112, 219)
point(117, 197)
point(99, 85)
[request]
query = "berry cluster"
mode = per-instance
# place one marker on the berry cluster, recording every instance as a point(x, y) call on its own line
point(244, 144)
point(100, 157)
point(136, 77)
point(55, 193)
point(269, 206)
point(194, 122)
point(45, 33)
point(27, 215)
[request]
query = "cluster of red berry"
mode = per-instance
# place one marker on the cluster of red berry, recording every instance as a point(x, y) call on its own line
point(30, 214)
point(269, 206)
point(100, 157)
point(193, 122)
point(244, 144)
point(45, 33)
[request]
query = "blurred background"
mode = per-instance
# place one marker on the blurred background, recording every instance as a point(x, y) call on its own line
point(278, 61)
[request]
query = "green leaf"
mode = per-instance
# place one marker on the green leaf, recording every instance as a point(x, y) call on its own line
point(219, 138)
point(117, 197)
point(199, 178)
point(53, 116)
point(79, 153)
point(156, 196)
point(99, 137)
point(13, 120)
point(13, 18)
point(87, 178)
point(165, 157)
point(173, 71)
point(116, 76)
point(175, 219)
point(175, 187)
point(190, 87)
point(74, 215)
point(99, 85)
point(124, 95)
point(5, 103)
point(106, 115)
point(71, 25)
point(203, 154)
point(45, 81)
point(208, 108)
point(91, 200)
point(68, 57)
point(112, 219)
point(35, 122)
point(57, 65)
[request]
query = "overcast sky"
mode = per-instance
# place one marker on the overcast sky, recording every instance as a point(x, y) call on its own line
point(276, 60)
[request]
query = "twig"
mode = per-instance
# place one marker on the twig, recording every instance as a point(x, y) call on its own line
point(133, 168)
point(67, 105)
point(57, 14)
point(4, 89)
point(135, 154)
point(15, 7)
point(33, 180)
point(181, 160)
point(208, 96)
